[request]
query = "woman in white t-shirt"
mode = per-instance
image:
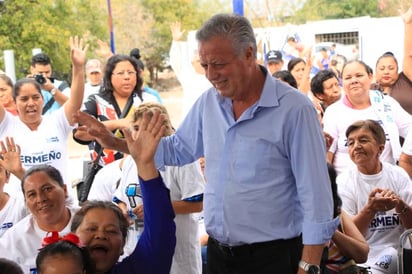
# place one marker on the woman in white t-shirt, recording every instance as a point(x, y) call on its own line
point(376, 194)
point(358, 102)
point(45, 193)
point(43, 138)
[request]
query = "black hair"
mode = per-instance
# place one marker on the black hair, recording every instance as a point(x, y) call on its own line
point(140, 64)
point(135, 53)
point(286, 76)
point(41, 59)
point(17, 86)
point(88, 205)
point(63, 247)
point(316, 83)
point(368, 69)
point(9, 267)
point(292, 63)
point(51, 171)
point(387, 54)
point(110, 66)
point(6, 79)
point(337, 201)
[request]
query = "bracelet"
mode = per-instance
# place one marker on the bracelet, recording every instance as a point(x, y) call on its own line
point(404, 210)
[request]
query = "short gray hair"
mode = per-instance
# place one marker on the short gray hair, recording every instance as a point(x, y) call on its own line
point(232, 26)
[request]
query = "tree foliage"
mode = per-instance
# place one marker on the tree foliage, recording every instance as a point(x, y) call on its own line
point(46, 24)
point(190, 13)
point(336, 9)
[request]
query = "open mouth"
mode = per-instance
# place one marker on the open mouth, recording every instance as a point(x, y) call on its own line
point(98, 251)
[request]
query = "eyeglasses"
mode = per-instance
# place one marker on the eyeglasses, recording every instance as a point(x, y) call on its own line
point(123, 73)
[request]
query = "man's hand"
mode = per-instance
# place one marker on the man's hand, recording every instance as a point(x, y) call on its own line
point(98, 131)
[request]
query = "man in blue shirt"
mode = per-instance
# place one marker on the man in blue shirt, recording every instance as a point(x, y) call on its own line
point(268, 190)
point(55, 92)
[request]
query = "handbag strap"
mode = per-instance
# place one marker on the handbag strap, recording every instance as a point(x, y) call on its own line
point(127, 107)
point(124, 113)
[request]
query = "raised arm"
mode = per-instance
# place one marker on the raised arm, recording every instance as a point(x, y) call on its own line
point(78, 57)
point(407, 44)
point(178, 54)
point(157, 242)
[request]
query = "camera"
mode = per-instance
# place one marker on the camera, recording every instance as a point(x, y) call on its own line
point(39, 78)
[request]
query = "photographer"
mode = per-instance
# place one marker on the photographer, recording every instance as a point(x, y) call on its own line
point(55, 92)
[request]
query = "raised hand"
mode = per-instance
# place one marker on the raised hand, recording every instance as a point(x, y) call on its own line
point(78, 51)
point(142, 143)
point(407, 16)
point(177, 33)
point(104, 49)
point(10, 159)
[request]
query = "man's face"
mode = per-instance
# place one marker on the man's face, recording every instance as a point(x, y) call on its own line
point(44, 70)
point(274, 67)
point(229, 73)
point(94, 78)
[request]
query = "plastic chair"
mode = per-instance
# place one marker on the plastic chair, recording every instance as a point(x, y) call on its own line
point(405, 252)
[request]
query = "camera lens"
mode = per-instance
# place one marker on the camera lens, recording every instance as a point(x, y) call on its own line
point(39, 79)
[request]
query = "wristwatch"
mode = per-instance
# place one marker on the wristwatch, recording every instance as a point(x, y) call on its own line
point(53, 91)
point(309, 268)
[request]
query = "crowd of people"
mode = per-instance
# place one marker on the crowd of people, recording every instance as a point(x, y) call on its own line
point(271, 170)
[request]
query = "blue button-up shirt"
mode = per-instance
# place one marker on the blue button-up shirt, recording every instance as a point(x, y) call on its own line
point(266, 172)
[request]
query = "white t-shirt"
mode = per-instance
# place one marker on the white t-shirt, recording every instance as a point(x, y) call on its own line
point(338, 117)
point(13, 211)
point(193, 83)
point(183, 182)
point(46, 145)
point(89, 90)
point(407, 144)
point(23, 240)
point(104, 183)
point(385, 229)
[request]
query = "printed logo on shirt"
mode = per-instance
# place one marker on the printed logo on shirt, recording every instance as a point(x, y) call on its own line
point(383, 222)
point(5, 226)
point(33, 270)
point(52, 140)
point(384, 261)
point(41, 158)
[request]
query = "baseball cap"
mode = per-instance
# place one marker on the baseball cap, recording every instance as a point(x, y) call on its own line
point(93, 65)
point(274, 56)
point(291, 37)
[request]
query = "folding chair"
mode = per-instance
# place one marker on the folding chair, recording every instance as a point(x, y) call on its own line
point(405, 252)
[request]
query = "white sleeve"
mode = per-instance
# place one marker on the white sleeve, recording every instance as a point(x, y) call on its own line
point(345, 192)
point(402, 118)
point(190, 180)
point(407, 144)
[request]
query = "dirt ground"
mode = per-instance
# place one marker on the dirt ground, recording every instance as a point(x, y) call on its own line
point(171, 93)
